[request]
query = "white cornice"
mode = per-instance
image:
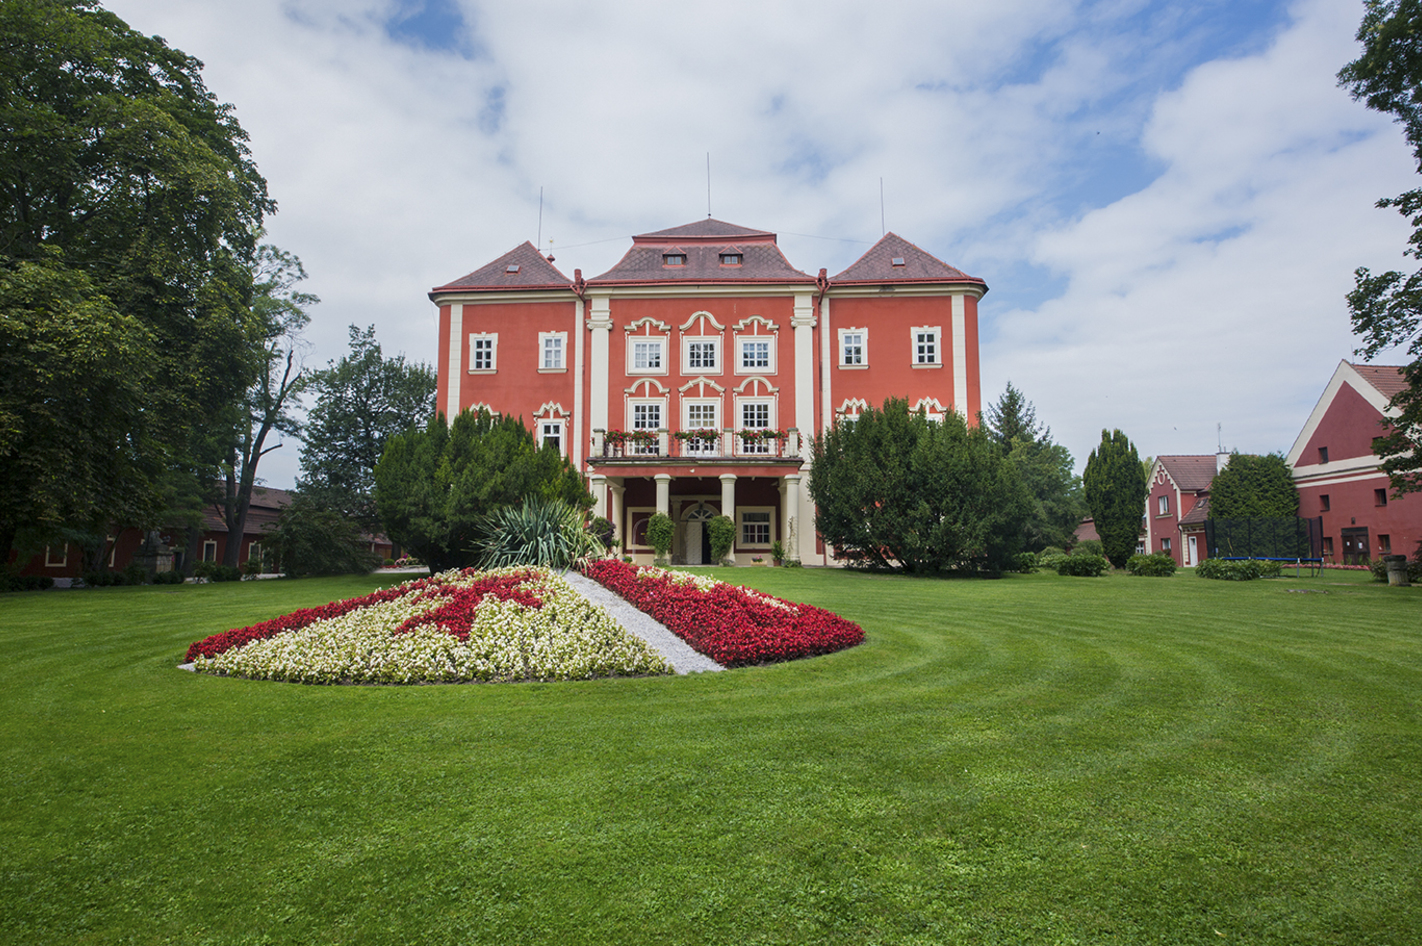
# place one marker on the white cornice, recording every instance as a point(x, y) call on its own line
point(702, 290)
point(703, 314)
point(490, 298)
point(891, 289)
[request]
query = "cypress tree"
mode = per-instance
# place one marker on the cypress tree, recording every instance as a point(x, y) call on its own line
point(1115, 493)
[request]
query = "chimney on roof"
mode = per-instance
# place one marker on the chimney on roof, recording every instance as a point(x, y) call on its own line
point(1221, 461)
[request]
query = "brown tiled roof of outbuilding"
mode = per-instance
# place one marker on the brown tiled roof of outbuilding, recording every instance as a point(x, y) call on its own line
point(533, 272)
point(877, 266)
point(1198, 513)
point(1387, 379)
point(703, 244)
point(1190, 473)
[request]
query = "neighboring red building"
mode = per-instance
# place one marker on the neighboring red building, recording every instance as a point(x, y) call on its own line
point(67, 561)
point(688, 378)
point(1177, 505)
point(1338, 476)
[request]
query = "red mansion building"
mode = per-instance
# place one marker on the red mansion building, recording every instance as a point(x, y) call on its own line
point(688, 378)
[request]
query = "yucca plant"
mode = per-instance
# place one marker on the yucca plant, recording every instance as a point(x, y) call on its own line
point(542, 532)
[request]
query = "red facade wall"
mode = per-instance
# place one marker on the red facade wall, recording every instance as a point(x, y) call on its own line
point(1347, 429)
point(888, 324)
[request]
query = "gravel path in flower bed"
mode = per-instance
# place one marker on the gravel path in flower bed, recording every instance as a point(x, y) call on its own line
point(676, 651)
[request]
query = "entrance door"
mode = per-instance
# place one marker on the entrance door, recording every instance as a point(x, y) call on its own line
point(1355, 545)
point(1191, 551)
point(696, 536)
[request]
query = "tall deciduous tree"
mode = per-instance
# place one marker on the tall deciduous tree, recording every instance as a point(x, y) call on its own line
point(361, 402)
point(280, 310)
point(897, 490)
point(1115, 494)
point(1254, 487)
point(1386, 309)
point(126, 180)
point(433, 487)
point(1046, 469)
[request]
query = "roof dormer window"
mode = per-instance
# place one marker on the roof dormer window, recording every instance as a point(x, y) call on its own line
point(730, 259)
point(511, 268)
point(673, 259)
point(897, 261)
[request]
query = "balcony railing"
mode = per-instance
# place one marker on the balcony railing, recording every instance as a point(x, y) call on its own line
point(724, 445)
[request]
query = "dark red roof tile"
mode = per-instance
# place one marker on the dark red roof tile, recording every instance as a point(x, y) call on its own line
point(522, 267)
point(877, 265)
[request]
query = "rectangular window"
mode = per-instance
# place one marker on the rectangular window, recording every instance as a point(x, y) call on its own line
point(1322, 454)
point(647, 355)
point(852, 348)
point(755, 528)
point(701, 356)
point(550, 434)
point(1385, 544)
point(755, 354)
point(925, 346)
point(1323, 502)
point(482, 350)
point(254, 552)
point(1163, 505)
point(552, 352)
point(56, 556)
point(209, 550)
point(701, 417)
point(1165, 545)
point(647, 417)
point(1379, 497)
point(1327, 545)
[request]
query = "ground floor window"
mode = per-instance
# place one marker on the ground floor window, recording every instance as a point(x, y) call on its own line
point(209, 550)
point(56, 556)
point(755, 527)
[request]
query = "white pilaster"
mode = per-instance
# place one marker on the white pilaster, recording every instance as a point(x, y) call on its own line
point(600, 322)
point(960, 354)
point(616, 488)
point(803, 322)
point(663, 493)
point(579, 446)
point(791, 506)
point(456, 360)
point(826, 366)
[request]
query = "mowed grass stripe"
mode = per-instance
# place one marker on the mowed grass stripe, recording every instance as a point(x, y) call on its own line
point(1035, 759)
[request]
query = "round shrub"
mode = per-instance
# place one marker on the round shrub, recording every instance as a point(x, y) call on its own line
point(1083, 566)
point(1236, 570)
point(1089, 547)
point(1158, 565)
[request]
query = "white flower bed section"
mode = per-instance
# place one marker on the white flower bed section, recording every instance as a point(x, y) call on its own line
point(568, 638)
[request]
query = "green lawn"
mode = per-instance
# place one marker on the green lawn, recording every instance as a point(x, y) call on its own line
point(1031, 760)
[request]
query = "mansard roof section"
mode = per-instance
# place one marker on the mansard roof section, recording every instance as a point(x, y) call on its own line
point(708, 251)
point(704, 231)
point(522, 267)
point(895, 260)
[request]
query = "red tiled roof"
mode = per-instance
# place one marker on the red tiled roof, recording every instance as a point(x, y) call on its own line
point(1387, 379)
point(708, 229)
point(532, 272)
point(1198, 513)
point(702, 244)
point(267, 503)
point(877, 265)
point(1190, 473)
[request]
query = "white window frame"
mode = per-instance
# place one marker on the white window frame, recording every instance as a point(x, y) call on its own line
point(769, 342)
point(49, 560)
point(741, 512)
point(863, 335)
point(1162, 505)
point(714, 341)
point(687, 424)
point(212, 544)
point(632, 532)
point(562, 432)
point(493, 339)
point(763, 447)
point(660, 403)
point(559, 347)
point(254, 550)
point(658, 340)
point(937, 332)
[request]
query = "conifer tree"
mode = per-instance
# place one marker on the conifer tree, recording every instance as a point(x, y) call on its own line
point(1115, 494)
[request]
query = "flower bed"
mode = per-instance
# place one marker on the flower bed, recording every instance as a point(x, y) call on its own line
point(733, 626)
point(508, 624)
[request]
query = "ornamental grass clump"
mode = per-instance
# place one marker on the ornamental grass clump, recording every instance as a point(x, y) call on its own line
point(733, 626)
point(458, 626)
point(547, 533)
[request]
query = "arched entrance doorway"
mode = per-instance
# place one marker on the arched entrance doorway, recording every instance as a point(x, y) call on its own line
point(696, 538)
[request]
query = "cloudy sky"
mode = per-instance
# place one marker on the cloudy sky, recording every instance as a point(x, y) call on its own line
point(1167, 199)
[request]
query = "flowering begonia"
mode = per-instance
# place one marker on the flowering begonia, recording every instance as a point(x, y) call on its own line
point(731, 625)
point(505, 624)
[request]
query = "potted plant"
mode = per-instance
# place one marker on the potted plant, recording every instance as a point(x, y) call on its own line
point(777, 553)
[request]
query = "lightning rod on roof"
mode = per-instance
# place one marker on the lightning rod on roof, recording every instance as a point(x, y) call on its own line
point(883, 229)
point(539, 242)
point(708, 185)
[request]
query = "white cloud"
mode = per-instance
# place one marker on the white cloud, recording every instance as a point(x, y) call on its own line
point(1214, 292)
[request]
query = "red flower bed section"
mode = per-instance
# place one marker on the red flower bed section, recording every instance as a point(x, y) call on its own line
point(462, 602)
point(727, 624)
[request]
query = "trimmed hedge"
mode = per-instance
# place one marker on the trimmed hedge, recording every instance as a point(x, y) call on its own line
point(1237, 570)
point(1158, 565)
point(1083, 566)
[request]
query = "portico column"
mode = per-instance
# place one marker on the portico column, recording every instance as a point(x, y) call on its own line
point(791, 507)
point(663, 493)
point(599, 491)
point(728, 506)
point(617, 489)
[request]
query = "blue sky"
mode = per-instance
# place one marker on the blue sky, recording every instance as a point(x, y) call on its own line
point(1167, 200)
